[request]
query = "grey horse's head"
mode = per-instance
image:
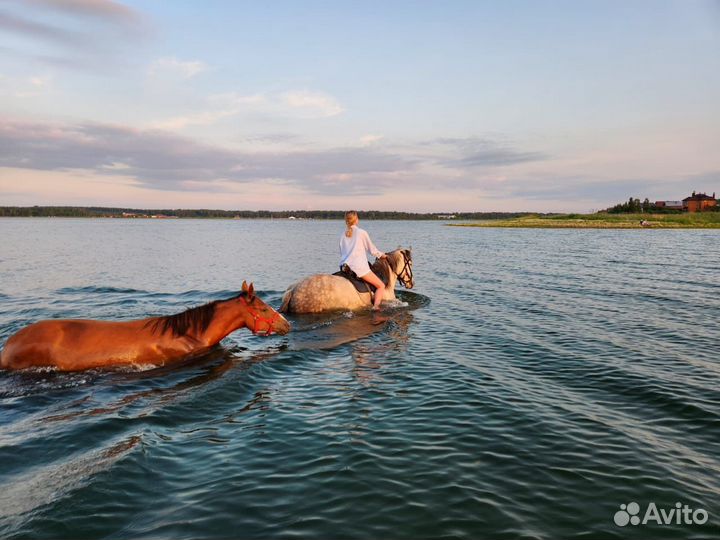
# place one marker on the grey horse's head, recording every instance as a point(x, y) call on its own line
point(402, 265)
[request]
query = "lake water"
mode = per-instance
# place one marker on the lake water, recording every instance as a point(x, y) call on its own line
point(536, 381)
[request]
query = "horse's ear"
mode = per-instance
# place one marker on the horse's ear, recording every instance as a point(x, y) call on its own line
point(251, 291)
point(244, 286)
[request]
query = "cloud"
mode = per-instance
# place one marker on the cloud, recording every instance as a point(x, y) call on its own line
point(172, 66)
point(477, 152)
point(64, 40)
point(159, 160)
point(26, 87)
point(196, 119)
point(152, 162)
point(368, 140)
point(274, 138)
point(27, 27)
point(316, 104)
point(221, 106)
point(40, 82)
point(106, 10)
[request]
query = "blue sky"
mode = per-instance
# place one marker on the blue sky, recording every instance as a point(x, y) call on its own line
point(420, 106)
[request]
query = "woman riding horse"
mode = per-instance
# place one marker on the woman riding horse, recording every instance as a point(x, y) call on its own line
point(325, 292)
point(355, 246)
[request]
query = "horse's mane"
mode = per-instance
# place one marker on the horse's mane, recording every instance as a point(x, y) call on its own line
point(381, 268)
point(197, 318)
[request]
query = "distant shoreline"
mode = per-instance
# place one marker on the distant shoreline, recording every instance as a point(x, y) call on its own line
point(202, 213)
point(525, 220)
point(699, 220)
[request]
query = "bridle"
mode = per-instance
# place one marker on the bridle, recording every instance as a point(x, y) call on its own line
point(407, 267)
point(259, 318)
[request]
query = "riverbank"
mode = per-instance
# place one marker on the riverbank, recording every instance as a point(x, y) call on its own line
point(707, 220)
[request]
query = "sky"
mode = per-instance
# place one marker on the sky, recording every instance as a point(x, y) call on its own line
point(452, 106)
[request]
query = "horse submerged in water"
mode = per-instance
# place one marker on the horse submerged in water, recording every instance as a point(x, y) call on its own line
point(325, 292)
point(77, 344)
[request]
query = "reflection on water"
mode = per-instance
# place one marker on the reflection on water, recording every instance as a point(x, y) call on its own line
point(366, 355)
point(330, 330)
point(44, 484)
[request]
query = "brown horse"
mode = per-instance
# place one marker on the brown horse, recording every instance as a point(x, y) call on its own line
point(325, 292)
point(74, 344)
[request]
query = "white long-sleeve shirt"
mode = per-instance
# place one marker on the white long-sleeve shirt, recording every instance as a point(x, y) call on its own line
point(354, 251)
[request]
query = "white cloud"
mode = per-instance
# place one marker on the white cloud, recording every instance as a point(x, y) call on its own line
point(293, 104)
point(222, 106)
point(316, 104)
point(116, 166)
point(197, 119)
point(26, 87)
point(172, 66)
point(237, 100)
point(367, 140)
point(40, 82)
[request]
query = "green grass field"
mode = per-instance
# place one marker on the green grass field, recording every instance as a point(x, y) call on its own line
point(705, 220)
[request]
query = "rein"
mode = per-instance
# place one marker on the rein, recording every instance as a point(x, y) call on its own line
point(259, 318)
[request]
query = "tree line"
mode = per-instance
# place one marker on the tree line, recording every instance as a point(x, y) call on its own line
point(634, 206)
point(98, 211)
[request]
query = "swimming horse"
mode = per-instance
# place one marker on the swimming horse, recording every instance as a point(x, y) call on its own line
point(325, 292)
point(75, 344)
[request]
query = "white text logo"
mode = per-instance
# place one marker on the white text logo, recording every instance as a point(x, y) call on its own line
point(629, 514)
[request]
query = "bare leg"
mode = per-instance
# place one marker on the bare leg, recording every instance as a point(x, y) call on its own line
point(372, 279)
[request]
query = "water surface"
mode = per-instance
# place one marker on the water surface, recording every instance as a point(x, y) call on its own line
point(536, 380)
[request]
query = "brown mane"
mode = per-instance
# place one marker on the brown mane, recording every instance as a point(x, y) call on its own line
point(197, 318)
point(382, 269)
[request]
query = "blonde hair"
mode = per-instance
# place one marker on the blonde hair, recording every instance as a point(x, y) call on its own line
point(351, 218)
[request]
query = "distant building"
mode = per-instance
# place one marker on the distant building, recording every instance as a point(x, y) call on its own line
point(446, 216)
point(699, 202)
point(670, 205)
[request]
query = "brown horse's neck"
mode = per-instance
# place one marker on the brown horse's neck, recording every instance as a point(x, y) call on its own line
point(229, 316)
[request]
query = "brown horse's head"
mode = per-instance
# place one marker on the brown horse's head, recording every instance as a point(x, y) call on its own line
point(259, 317)
point(402, 266)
